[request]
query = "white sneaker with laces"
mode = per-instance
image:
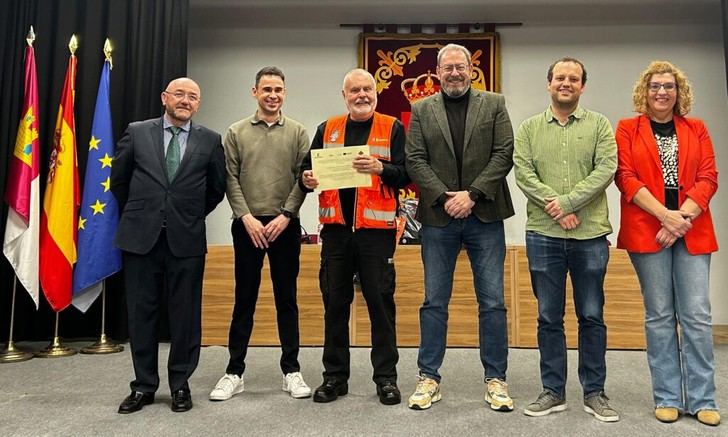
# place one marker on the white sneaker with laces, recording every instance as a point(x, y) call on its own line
point(294, 384)
point(228, 386)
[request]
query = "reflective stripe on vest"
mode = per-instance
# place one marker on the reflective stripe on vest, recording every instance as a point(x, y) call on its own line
point(373, 214)
point(327, 212)
point(380, 151)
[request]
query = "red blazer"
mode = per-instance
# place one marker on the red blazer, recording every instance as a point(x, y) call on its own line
point(639, 166)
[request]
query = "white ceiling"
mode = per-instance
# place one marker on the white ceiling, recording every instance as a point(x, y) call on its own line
point(326, 13)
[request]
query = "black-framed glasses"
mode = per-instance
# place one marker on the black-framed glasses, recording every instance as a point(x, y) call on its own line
point(667, 86)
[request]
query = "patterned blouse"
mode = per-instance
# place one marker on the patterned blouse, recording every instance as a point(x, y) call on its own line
point(667, 147)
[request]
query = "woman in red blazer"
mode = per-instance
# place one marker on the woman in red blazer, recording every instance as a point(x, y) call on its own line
point(667, 176)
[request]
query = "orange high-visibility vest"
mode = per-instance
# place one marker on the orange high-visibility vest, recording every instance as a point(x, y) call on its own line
point(376, 206)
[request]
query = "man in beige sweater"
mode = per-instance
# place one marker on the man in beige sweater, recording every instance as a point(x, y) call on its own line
point(263, 155)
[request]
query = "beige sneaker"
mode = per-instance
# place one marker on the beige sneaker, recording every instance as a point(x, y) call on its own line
point(426, 393)
point(496, 394)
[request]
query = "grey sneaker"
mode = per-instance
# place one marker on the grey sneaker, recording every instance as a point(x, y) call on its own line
point(546, 403)
point(598, 406)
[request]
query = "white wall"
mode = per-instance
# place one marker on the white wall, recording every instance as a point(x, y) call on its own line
point(224, 62)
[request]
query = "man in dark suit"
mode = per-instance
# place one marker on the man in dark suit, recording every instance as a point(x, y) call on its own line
point(167, 175)
point(459, 151)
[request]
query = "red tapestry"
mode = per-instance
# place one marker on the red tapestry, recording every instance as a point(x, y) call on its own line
point(403, 66)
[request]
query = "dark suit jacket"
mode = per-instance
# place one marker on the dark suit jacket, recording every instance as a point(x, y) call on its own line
point(147, 200)
point(487, 156)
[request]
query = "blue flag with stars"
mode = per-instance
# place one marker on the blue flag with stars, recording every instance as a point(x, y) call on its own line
point(99, 212)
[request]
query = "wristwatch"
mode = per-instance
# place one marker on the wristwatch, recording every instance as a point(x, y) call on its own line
point(287, 214)
point(474, 195)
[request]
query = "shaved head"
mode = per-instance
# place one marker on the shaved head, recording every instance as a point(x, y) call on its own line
point(181, 100)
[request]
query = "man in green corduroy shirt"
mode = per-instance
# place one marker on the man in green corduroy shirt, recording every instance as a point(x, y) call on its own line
point(564, 159)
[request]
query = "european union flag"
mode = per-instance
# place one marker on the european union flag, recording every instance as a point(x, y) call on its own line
point(99, 213)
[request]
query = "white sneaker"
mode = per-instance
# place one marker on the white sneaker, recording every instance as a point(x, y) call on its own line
point(294, 384)
point(228, 386)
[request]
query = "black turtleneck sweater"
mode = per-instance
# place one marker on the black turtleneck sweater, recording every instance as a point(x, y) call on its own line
point(457, 110)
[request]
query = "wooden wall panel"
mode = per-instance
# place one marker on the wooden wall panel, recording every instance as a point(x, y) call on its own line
point(623, 309)
point(623, 312)
point(219, 298)
point(410, 293)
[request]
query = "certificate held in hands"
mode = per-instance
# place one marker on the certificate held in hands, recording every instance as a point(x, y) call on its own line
point(333, 168)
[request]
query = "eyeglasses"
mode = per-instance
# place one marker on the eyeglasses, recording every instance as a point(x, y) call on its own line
point(450, 68)
point(179, 95)
point(667, 86)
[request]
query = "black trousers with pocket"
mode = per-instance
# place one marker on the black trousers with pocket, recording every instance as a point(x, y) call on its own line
point(369, 253)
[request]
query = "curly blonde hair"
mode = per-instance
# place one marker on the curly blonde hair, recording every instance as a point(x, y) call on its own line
point(684, 101)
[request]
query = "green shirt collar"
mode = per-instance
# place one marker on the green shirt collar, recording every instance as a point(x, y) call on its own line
point(578, 113)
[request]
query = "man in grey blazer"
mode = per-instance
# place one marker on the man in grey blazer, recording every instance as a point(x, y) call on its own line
point(459, 151)
point(167, 175)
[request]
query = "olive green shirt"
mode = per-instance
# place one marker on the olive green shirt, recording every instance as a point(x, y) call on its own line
point(574, 163)
point(263, 164)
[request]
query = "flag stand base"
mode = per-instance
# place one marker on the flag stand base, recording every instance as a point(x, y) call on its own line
point(103, 346)
point(55, 349)
point(11, 354)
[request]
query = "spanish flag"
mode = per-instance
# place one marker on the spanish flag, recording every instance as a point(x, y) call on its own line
point(20, 244)
point(59, 217)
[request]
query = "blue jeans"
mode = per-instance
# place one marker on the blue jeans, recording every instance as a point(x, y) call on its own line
point(676, 293)
point(549, 259)
point(486, 247)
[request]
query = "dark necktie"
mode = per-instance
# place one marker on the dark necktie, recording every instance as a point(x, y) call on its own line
point(172, 158)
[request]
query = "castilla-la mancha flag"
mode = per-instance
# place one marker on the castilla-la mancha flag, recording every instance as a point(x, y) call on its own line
point(20, 244)
point(59, 217)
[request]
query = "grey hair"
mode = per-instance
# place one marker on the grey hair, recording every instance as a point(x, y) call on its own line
point(451, 47)
point(358, 71)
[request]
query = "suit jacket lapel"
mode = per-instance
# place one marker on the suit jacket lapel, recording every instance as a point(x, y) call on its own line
point(475, 102)
point(157, 134)
point(438, 106)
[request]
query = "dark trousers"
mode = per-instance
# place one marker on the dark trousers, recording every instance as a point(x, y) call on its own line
point(549, 260)
point(283, 258)
point(147, 278)
point(370, 253)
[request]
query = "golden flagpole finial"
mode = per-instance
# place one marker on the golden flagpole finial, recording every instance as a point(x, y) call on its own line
point(107, 52)
point(73, 44)
point(31, 36)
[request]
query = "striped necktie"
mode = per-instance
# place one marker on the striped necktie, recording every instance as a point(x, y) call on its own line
point(172, 158)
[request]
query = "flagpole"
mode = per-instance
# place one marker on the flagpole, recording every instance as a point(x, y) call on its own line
point(103, 346)
point(55, 348)
point(11, 354)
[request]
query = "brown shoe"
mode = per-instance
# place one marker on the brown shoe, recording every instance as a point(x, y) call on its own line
point(666, 414)
point(709, 417)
